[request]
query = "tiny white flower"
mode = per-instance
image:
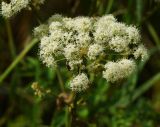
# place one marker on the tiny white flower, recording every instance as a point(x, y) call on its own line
point(107, 18)
point(104, 21)
point(15, 6)
point(41, 31)
point(74, 63)
point(55, 26)
point(79, 83)
point(6, 10)
point(116, 71)
point(94, 50)
point(118, 44)
point(82, 24)
point(71, 52)
point(101, 33)
point(46, 53)
point(68, 23)
point(18, 5)
point(116, 29)
point(57, 35)
point(49, 49)
point(133, 35)
point(55, 18)
point(69, 37)
point(83, 39)
point(104, 31)
point(141, 52)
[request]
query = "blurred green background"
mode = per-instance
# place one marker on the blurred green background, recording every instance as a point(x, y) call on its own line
point(133, 103)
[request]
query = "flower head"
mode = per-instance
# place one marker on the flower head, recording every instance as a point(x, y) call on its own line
point(115, 71)
point(41, 31)
point(15, 6)
point(119, 44)
point(133, 35)
point(94, 51)
point(89, 45)
point(79, 83)
point(141, 52)
point(6, 10)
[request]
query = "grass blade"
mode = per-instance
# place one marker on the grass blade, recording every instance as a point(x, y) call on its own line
point(17, 60)
point(154, 34)
point(145, 86)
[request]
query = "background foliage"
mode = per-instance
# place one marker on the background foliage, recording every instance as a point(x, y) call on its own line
point(132, 103)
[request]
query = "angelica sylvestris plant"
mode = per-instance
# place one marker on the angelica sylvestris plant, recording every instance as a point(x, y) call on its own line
point(88, 45)
point(15, 6)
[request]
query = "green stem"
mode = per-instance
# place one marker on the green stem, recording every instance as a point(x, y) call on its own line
point(10, 39)
point(110, 4)
point(139, 9)
point(73, 110)
point(17, 60)
point(60, 80)
point(68, 118)
point(145, 87)
point(154, 34)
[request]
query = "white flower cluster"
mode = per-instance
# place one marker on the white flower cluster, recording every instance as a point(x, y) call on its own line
point(15, 6)
point(111, 47)
point(118, 70)
point(79, 83)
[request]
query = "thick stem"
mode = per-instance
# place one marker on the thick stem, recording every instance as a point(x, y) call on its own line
point(68, 117)
point(73, 110)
